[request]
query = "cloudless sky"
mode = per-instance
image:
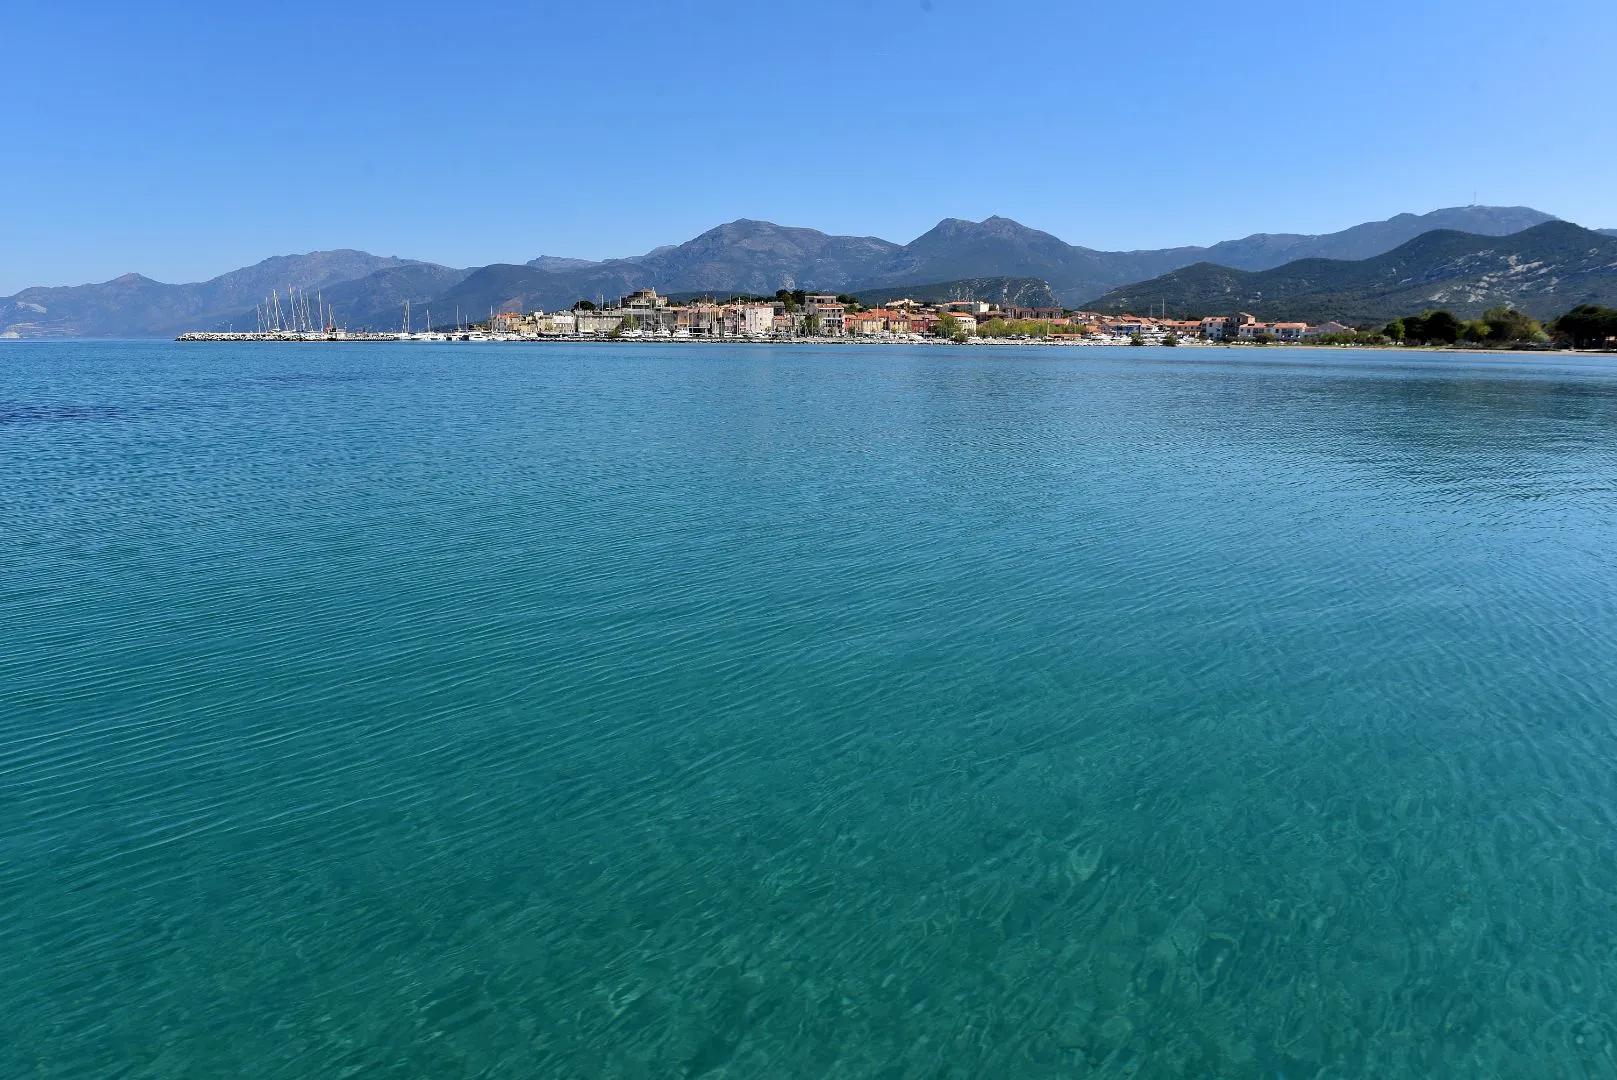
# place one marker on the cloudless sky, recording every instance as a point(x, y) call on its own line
point(187, 138)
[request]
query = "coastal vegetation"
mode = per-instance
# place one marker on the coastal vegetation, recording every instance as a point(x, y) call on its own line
point(999, 327)
point(1500, 326)
point(1588, 326)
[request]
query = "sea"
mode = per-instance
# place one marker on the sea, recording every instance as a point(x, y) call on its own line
point(639, 711)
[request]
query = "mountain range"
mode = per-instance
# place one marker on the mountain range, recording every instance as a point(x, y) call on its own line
point(740, 256)
point(1544, 271)
point(137, 306)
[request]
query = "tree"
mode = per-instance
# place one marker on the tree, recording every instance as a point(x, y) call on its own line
point(1588, 326)
point(1136, 339)
point(1264, 338)
point(584, 305)
point(1395, 330)
point(994, 328)
point(1476, 330)
point(1506, 324)
point(1171, 340)
point(1440, 326)
point(949, 327)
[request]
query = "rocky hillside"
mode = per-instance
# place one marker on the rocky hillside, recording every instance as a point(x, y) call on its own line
point(1544, 271)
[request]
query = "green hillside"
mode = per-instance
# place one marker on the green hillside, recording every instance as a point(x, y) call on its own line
point(1544, 271)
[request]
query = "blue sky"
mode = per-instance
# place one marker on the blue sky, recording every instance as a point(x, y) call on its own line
point(181, 142)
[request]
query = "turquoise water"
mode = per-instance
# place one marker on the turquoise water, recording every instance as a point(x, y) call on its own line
point(415, 711)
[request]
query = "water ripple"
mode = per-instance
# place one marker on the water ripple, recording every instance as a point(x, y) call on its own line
point(821, 713)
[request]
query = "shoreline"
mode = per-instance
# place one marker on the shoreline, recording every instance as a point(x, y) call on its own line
point(385, 339)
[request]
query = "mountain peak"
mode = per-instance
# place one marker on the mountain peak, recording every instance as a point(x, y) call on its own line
point(745, 227)
point(1542, 269)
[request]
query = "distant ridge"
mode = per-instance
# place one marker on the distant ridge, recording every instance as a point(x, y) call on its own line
point(1544, 271)
point(1006, 291)
point(1262, 251)
point(137, 306)
point(741, 256)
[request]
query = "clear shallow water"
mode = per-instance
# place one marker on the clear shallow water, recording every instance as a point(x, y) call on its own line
point(660, 712)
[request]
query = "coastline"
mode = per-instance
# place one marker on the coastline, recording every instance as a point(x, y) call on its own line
point(381, 339)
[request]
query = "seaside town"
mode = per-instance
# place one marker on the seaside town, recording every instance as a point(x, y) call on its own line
point(789, 316)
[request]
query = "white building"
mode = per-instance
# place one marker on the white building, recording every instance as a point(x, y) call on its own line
point(758, 320)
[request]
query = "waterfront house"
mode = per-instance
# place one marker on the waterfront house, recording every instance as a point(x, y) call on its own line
point(825, 314)
point(597, 322)
point(1331, 327)
point(922, 322)
point(557, 322)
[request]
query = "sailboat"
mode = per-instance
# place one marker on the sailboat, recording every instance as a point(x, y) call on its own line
point(429, 334)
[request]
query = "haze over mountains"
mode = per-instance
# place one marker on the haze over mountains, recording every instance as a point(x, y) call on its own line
point(740, 256)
